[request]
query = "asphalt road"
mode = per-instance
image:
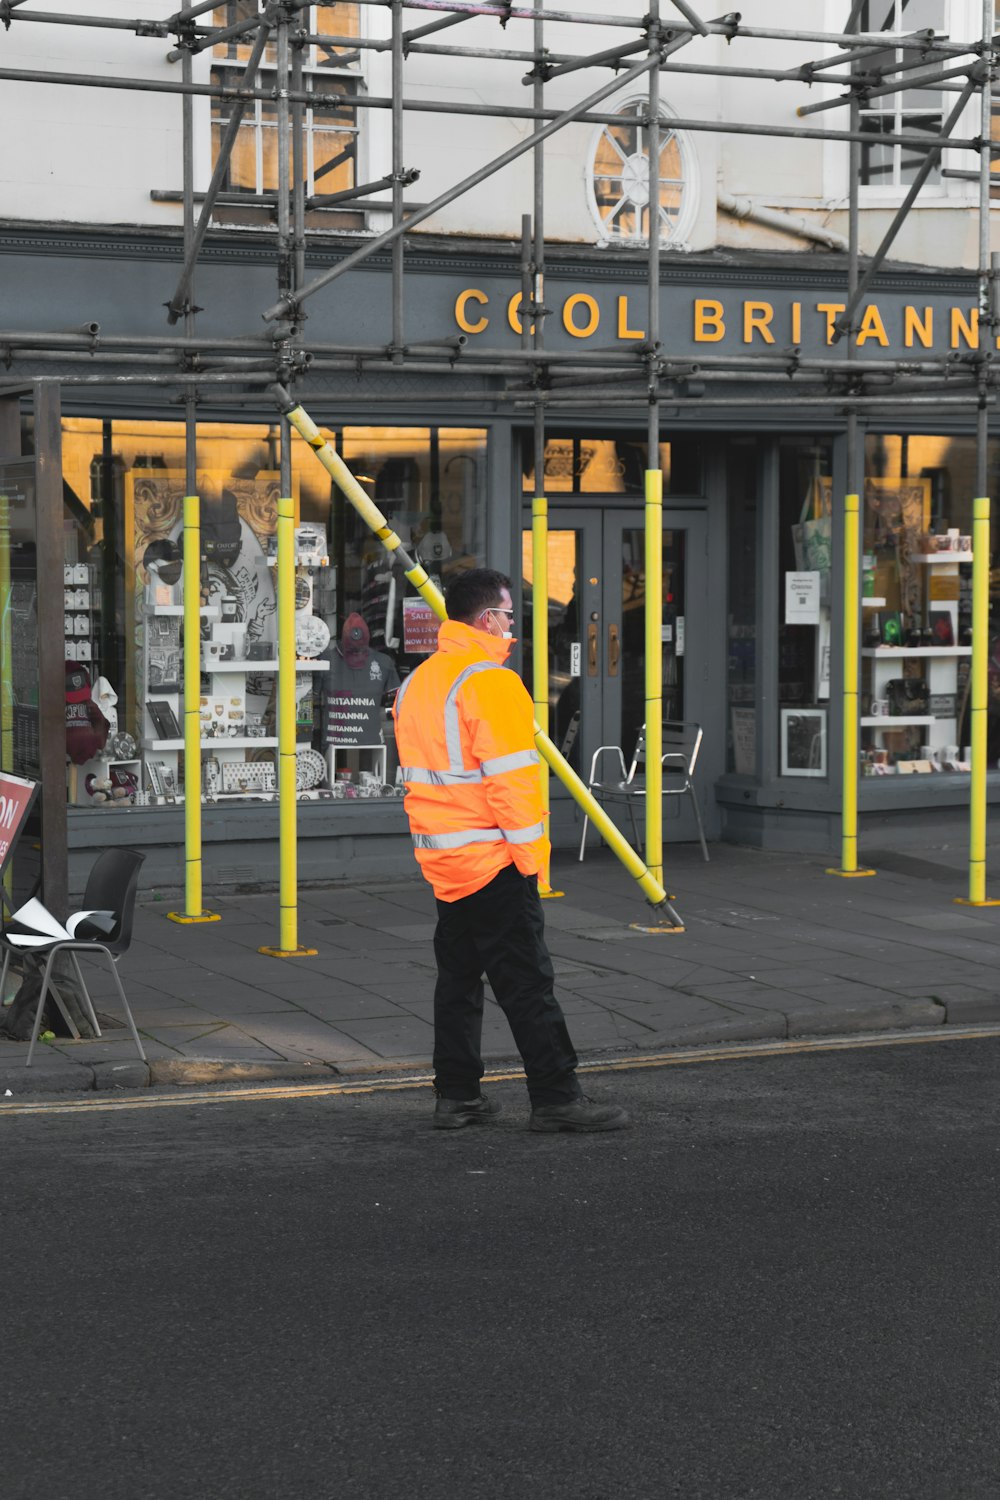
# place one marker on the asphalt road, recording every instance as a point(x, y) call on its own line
point(781, 1283)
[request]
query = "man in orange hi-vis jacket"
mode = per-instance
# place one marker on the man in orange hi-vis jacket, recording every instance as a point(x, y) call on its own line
point(465, 736)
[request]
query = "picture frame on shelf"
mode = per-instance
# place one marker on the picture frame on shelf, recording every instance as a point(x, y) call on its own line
point(164, 719)
point(155, 770)
point(803, 742)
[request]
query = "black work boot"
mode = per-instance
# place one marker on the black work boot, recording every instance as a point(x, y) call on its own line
point(452, 1114)
point(578, 1114)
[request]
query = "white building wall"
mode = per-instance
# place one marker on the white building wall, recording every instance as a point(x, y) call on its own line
point(93, 155)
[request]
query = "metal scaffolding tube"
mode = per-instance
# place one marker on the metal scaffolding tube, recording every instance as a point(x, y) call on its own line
point(282, 308)
point(931, 157)
point(179, 300)
point(488, 111)
point(398, 334)
point(925, 81)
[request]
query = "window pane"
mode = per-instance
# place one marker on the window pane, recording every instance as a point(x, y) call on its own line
point(742, 613)
point(805, 546)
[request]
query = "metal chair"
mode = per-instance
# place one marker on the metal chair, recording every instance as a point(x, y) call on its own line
point(681, 745)
point(111, 886)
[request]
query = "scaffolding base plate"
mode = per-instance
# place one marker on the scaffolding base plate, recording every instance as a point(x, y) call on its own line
point(185, 920)
point(551, 895)
point(852, 874)
point(289, 952)
point(654, 931)
point(967, 901)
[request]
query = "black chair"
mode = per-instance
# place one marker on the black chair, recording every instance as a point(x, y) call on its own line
point(111, 886)
point(681, 746)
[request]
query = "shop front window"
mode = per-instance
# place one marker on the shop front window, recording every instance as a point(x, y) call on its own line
point(917, 606)
point(741, 620)
point(804, 633)
point(360, 627)
point(582, 465)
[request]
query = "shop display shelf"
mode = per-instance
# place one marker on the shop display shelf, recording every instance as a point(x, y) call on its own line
point(941, 557)
point(217, 742)
point(896, 721)
point(883, 653)
point(303, 664)
point(207, 611)
point(872, 603)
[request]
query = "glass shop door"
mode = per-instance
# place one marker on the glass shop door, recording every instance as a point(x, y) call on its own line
point(596, 610)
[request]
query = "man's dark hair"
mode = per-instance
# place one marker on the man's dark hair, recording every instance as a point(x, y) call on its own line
point(470, 593)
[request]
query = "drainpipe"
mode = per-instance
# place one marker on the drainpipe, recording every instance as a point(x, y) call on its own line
point(745, 208)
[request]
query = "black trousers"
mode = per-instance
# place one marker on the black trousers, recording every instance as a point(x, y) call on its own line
point(500, 932)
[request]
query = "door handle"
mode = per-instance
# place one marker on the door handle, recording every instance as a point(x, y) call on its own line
point(614, 650)
point(592, 650)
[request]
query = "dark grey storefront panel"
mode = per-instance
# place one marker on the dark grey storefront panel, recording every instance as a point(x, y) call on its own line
point(55, 282)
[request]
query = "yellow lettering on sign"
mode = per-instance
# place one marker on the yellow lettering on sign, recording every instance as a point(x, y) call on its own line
point(709, 327)
point(514, 314)
point(796, 322)
point(872, 327)
point(915, 326)
point(471, 294)
point(967, 327)
point(581, 299)
point(831, 309)
point(757, 319)
point(624, 331)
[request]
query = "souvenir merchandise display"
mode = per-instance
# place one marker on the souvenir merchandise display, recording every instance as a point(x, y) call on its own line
point(356, 686)
point(81, 612)
point(238, 659)
point(917, 636)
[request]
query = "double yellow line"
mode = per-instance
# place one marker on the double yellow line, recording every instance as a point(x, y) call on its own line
point(274, 1093)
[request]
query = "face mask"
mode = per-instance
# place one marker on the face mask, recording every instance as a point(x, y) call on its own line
point(505, 635)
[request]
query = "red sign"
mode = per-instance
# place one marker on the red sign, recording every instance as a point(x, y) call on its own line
point(16, 797)
point(420, 627)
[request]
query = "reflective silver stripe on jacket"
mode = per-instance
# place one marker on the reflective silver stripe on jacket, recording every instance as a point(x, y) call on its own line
point(457, 840)
point(456, 774)
point(523, 835)
point(423, 777)
point(513, 762)
point(401, 690)
point(452, 727)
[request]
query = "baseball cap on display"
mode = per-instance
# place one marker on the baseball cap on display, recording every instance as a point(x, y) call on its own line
point(78, 688)
point(354, 640)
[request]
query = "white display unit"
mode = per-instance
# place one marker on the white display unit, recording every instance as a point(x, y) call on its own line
point(224, 741)
point(940, 664)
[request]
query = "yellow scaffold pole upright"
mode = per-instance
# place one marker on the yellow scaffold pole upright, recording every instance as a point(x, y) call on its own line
point(193, 911)
point(540, 651)
point(654, 672)
point(415, 574)
point(979, 698)
point(851, 668)
point(288, 888)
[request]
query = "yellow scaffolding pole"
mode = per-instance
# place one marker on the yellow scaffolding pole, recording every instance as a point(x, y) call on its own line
point(288, 897)
point(193, 911)
point(654, 672)
point(851, 668)
point(540, 651)
point(415, 574)
point(980, 701)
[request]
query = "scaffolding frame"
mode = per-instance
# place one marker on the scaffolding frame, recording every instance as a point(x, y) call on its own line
point(532, 378)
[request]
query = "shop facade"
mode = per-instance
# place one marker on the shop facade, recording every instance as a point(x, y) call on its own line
point(753, 559)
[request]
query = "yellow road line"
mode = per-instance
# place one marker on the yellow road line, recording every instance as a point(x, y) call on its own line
point(733, 1052)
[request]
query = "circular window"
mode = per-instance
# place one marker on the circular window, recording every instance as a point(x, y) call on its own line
point(618, 180)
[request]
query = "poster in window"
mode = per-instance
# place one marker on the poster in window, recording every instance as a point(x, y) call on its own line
point(803, 742)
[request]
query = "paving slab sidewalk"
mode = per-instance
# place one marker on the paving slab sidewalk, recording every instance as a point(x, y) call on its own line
point(773, 947)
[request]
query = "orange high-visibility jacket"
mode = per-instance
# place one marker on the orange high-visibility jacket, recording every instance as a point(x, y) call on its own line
point(466, 742)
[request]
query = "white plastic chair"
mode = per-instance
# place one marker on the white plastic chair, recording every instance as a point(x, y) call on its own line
point(681, 745)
